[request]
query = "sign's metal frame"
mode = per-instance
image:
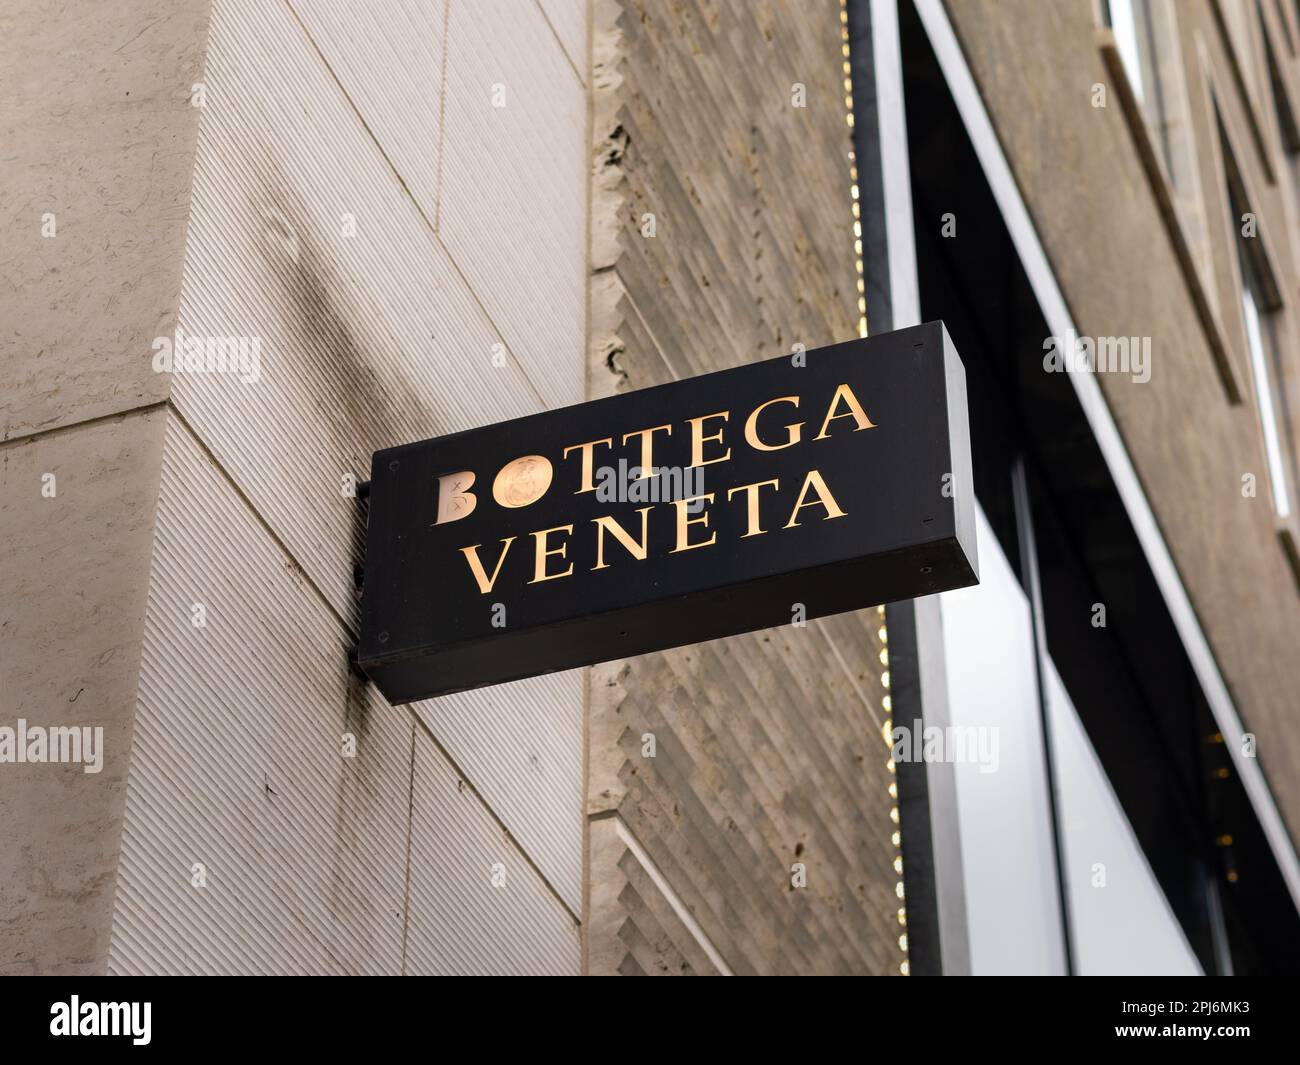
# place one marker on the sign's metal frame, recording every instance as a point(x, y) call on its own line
point(805, 485)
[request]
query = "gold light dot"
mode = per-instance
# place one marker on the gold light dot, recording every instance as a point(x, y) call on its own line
point(896, 838)
point(905, 969)
point(893, 814)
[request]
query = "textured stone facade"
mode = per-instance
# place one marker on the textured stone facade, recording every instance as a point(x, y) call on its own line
point(768, 747)
point(1191, 445)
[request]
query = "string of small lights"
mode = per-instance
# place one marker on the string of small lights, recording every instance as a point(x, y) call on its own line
point(887, 734)
point(887, 729)
point(853, 169)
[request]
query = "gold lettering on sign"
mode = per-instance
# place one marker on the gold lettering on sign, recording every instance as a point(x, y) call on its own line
point(855, 411)
point(824, 498)
point(647, 446)
point(698, 439)
point(455, 500)
point(476, 567)
point(684, 524)
point(636, 550)
point(751, 503)
point(793, 432)
point(523, 481)
point(544, 552)
point(588, 478)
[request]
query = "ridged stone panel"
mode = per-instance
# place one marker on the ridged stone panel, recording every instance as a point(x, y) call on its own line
point(568, 18)
point(388, 58)
point(477, 907)
point(366, 341)
point(238, 762)
point(521, 744)
point(514, 185)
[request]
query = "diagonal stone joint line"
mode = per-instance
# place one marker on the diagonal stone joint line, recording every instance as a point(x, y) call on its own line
point(670, 896)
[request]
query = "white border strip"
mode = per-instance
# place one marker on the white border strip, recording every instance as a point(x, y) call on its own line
point(970, 106)
point(905, 300)
point(895, 167)
point(670, 896)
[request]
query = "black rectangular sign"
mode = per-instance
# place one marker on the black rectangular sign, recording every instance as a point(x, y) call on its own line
point(782, 490)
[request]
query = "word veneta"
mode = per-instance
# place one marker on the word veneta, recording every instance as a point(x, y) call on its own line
point(765, 504)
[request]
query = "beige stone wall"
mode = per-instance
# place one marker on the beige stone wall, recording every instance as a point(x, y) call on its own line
point(98, 137)
point(411, 260)
point(768, 747)
point(1097, 213)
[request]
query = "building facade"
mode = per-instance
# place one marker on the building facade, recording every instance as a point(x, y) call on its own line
point(251, 242)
